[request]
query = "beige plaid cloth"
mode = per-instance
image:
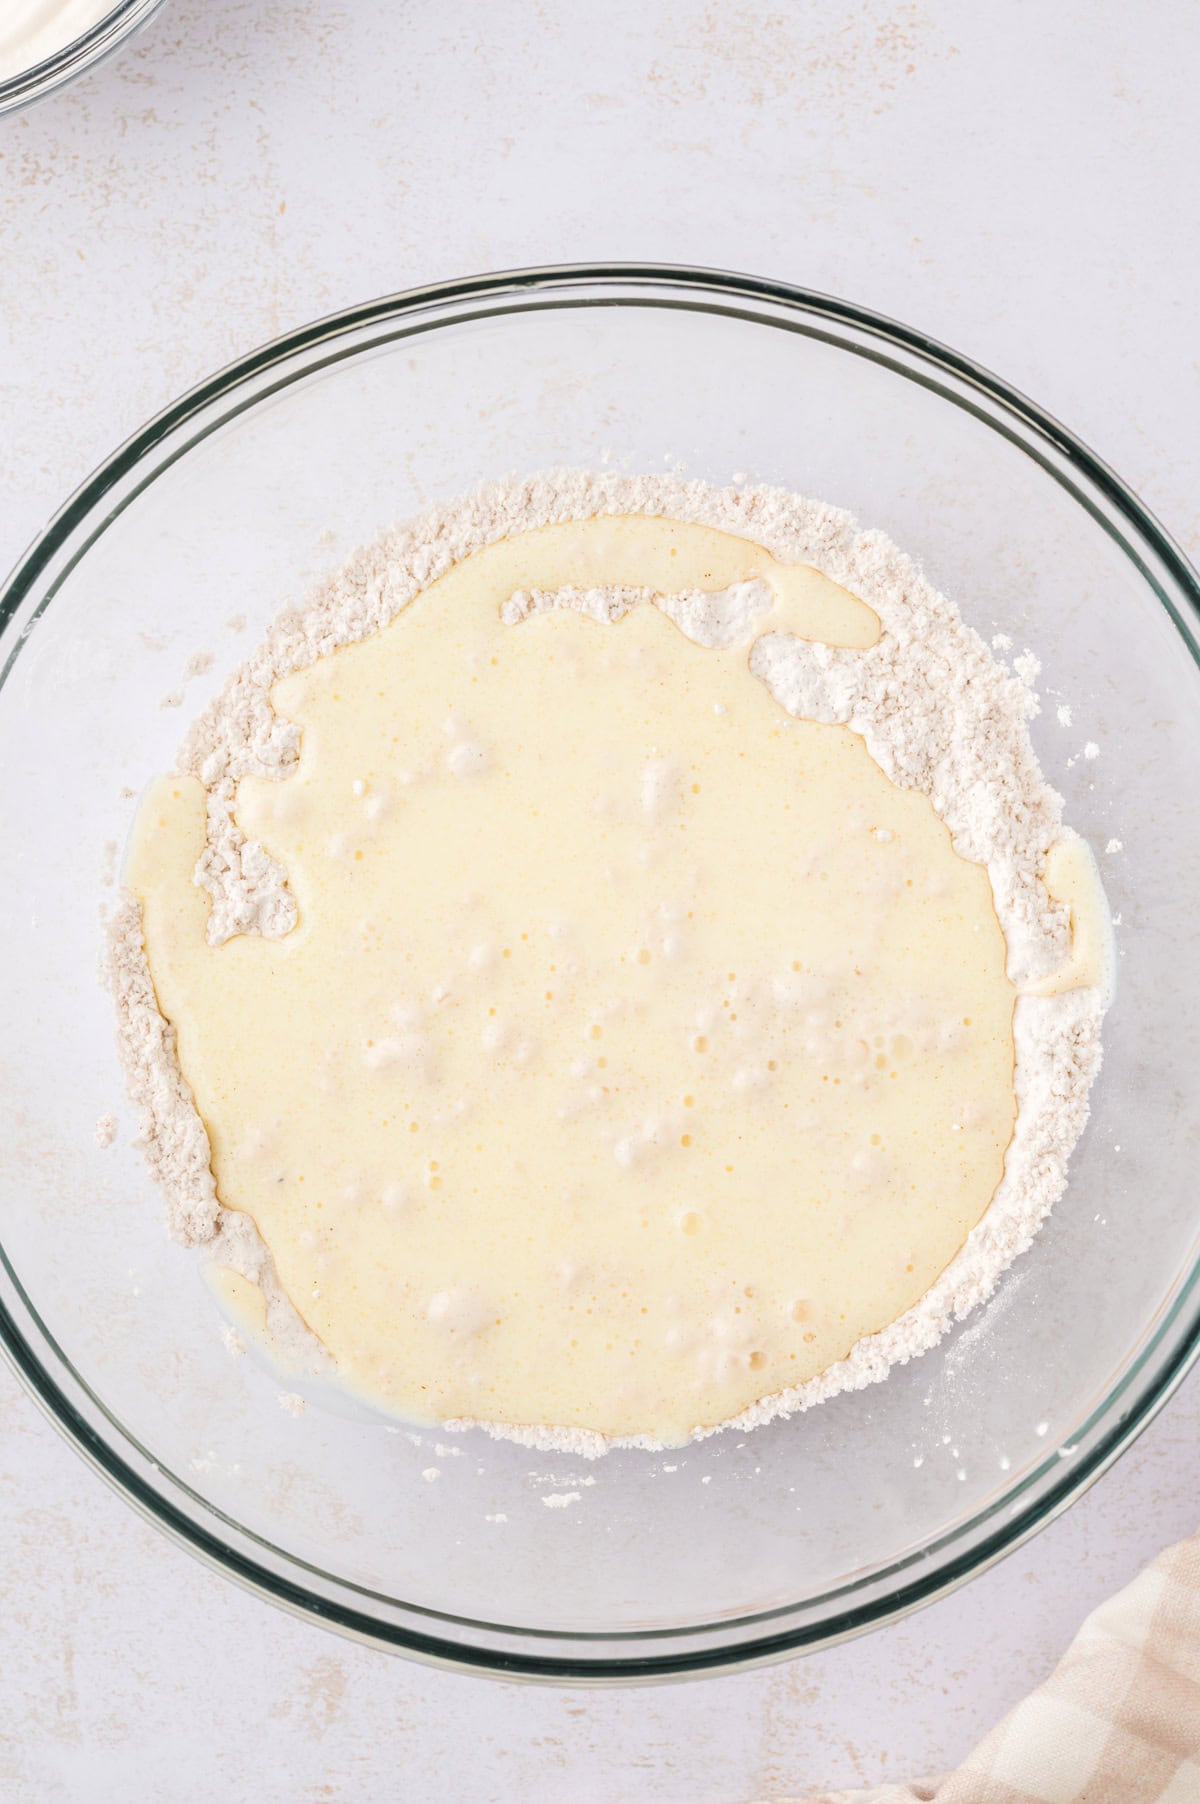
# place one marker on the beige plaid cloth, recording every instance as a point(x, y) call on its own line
point(1117, 1722)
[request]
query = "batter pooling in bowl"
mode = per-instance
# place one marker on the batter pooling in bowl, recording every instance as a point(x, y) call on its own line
point(596, 1045)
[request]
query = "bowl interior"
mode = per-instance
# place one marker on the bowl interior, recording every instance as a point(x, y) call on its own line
point(231, 507)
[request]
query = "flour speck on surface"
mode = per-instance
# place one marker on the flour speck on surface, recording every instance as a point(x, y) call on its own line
point(106, 1130)
point(938, 713)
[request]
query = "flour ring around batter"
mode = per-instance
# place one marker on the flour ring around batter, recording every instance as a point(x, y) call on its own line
point(580, 992)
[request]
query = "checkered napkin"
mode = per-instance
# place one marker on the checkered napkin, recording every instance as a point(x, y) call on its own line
point(1117, 1722)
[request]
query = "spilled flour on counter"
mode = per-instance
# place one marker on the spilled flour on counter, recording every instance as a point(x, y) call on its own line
point(937, 712)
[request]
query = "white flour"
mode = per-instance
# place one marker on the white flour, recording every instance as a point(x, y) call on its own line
point(937, 711)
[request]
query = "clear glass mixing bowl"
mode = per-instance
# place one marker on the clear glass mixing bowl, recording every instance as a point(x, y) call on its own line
point(75, 58)
point(745, 1547)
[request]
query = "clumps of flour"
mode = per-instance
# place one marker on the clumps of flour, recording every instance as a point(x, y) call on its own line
point(718, 618)
point(175, 1145)
point(172, 1135)
point(937, 711)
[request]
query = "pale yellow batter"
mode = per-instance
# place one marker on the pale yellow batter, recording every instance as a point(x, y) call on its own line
point(638, 1049)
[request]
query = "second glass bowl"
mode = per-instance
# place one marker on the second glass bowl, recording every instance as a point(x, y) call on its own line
point(76, 58)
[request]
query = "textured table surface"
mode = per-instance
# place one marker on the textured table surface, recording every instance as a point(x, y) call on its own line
point(1019, 180)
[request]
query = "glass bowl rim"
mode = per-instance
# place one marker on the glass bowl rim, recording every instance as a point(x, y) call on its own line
point(1012, 1521)
point(85, 52)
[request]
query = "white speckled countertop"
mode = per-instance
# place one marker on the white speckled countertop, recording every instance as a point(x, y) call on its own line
point(1018, 180)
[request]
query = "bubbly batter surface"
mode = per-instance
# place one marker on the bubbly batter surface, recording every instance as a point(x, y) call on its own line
point(638, 1049)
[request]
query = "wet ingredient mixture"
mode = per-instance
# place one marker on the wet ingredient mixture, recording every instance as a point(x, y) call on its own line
point(600, 1048)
